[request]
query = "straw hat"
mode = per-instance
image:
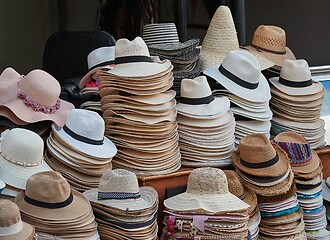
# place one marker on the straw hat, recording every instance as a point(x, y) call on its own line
point(11, 225)
point(270, 42)
point(240, 74)
point(21, 156)
point(207, 191)
point(84, 131)
point(296, 79)
point(259, 157)
point(100, 58)
point(221, 38)
point(119, 189)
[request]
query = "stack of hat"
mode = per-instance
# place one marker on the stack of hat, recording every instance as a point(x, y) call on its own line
point(297, 101)
point(207, 210)
point(21, 155)
point(246, 194)
point(265, 167)
point(122, 209)
point(79, 150)
point(100, 59)
point(54, 208)
point(162, 40)
point(326, 195)
point(206, 126)
point(307, 168)
point(139, 111)
point(239, 78)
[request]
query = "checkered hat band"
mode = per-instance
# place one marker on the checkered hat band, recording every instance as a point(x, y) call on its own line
point(117, 195)
point(299, 154)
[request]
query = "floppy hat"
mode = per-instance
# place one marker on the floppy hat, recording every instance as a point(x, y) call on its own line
point(36, 98)
point(21, 156)
point(84, 131)
point(258, 156)
point(100, 58)
point(207, 191)
point(11, 225)
point(240, 74)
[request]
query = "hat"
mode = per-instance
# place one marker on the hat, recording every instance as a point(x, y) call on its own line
point(48, 196)
point(221, 38)
point(9, 79)
point(84, 131)
point(100, 58)
point(21, 156)
point(11, 225)
point(240, 74)
point(207, 190)
point(326, 189)
point(133, 60)
point(270, 42)
point(257, 156)
point(119, 189)
point(36, 98)
point(296, 79)
point(197, 99)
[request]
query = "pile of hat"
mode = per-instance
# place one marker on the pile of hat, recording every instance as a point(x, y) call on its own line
point(207, 210)
point(122, 209)
point(326, 195)
point(307, 168)
point(162, 40)
point(79, 150)
point(139, 111)
point(21, 156)
point(100, 59)
point(239, 78)
point(246, 194)
point(265, 167)
point(297, 101)
point(206, 126)
point(52, 207)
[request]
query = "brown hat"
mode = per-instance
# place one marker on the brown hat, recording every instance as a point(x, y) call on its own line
point(257, 156)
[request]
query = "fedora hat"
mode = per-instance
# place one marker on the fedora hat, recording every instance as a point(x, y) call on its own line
point(132, 59)
point(100, 58)
point(21, 155)
point(258, 156)
point(197, 100)
point(84, 131)
point(296, 79)
point(207, 191)
point(240, 73)
point(36, 98)
point(11, 225)
point(119, 189)
point(221, 38)
point(270, 42)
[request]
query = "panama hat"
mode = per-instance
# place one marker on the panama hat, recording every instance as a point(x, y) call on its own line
point(296, 79)
point(240, 74)
point(100, 58)
point(11, 225)
point(270, 42)
point(21, 156)
point(207, 191)
point(84, 131)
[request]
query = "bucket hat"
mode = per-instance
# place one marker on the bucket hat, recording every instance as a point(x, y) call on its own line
point(21, 156)
point(240, 73)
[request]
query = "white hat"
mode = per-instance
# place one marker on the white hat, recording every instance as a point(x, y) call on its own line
point(240, 73)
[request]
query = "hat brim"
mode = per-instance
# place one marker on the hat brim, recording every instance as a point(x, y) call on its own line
point(206, 123)
point(27, 233)
point(191, 43)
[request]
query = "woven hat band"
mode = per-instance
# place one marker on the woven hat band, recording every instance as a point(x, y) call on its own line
point(300, 154)
point(295, 84)
point(12, 229)
point(265, 164)
point(236, 79)
point(118, 195)
point(37, 203)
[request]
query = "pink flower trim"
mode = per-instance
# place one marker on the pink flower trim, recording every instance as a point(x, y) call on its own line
point(38, 107)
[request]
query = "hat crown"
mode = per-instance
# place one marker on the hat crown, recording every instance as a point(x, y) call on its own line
point(137, 47)
point(119, 180)
point(160, 33)
point(9, 213)
point(207, 181)
point(91, 124)
point(40, 87)
point(23, 146)
point(256, 143)
point(243, 65)
point(100, 55)
point(195, 88)
point(295, 70)
point(235, 186)
point(270, 37)
point(48, 186)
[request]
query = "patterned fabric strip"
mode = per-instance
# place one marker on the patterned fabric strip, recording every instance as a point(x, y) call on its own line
point(299, 154)
point(117, 195)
